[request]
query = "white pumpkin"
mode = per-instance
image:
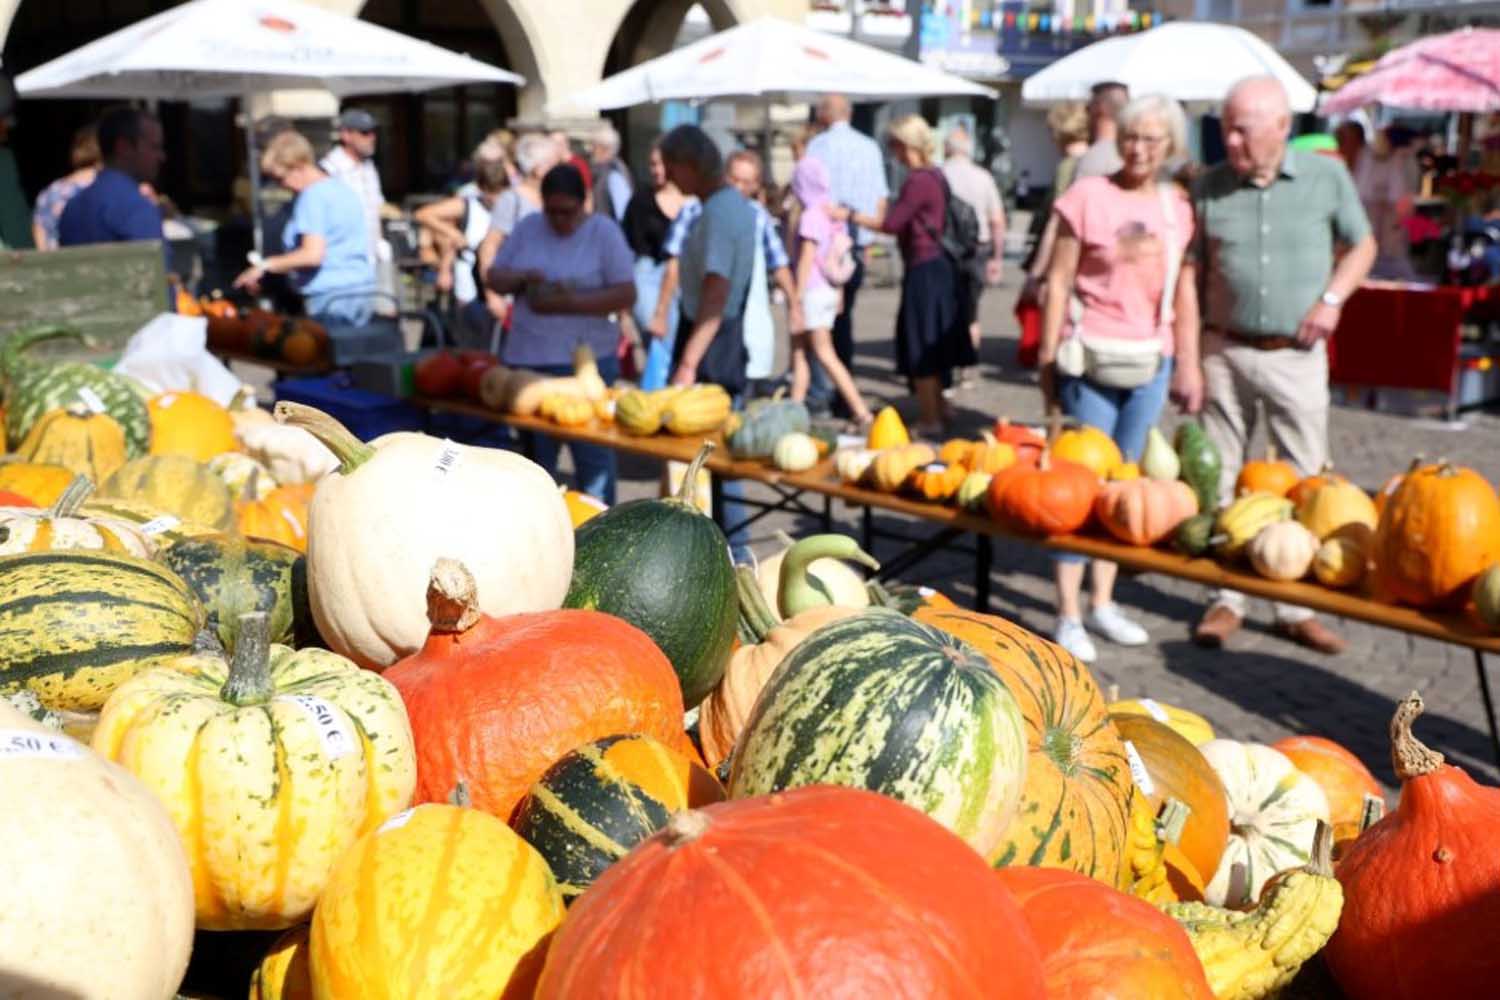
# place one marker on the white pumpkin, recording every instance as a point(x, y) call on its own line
point(852, 463)
point(246, 478)
point(396, 506)
point(795, 452)
point(95, 895)
point(1274, 811)
point(1282, 550)
point(65, 525)
point(843, 581)
point(291, 454)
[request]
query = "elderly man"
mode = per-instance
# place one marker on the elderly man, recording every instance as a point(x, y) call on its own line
point(352, 160)
point(856, 174)
point(1271, 287)
point(113, 209)
point(976, 185)
point(611, 178)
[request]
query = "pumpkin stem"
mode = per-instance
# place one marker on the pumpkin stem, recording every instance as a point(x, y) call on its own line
point(452, 597)
point(1372, 811)
point(756, 617)
point(460, 795)
point(685, 827)
point(243, 400)
point(78, 491)
point(797, 590)
point(1320, 861)
point(686, 492)
point(1410, 756)
point(1171, 820)
point(249, 680)
point(348, 449)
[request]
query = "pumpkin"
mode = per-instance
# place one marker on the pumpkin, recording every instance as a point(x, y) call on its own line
point(811, 572)
point(763, 423)
point(1271, 474)
point(1274, 811)
point(795, 452)
point(284, 974)
point(581, 506)
point(1487, 596)
point(279, 516)
point(887, 430)
point(1174, 769)
point(1282, 550)
point(189, 424)
point(764, 642)
point(664, 567)
point(292, 454)
point(41, 484)
point(937, 483)
point(567, 410)
point(1422, 886)
point(987, 455)
point(1158, 460)
point(636, 412)
point(177, 485)
point(1237, 524)
point(1307, 484)
point(156, 524)
point(1089, 447)
point(246, 478)
point(853, 463)
point(1202, 466)
point(1076, 799)
point(1098, 942)
point(1439, 530)
point(494, 702)
point(232, 576)
point(78, 439)
point(97, 896)
point(1189, 725)
point(698, 410)
point(1345, 780)
point(271, 763)
point(65, 526)
point(35, 387)
point(1144, 511)
point(424, 499)
point(879, 701)
point(75, 624)
point(817, 892)
point(1027, 443)
point(599, 801)
point(374, 935)
point(1334, 505)
point(1392, 484)
point(1340, 561)
point(1054, 497)
point(890, 468)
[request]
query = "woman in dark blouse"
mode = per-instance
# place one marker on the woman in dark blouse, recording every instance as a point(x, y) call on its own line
point(647, 219)
point(932, 336)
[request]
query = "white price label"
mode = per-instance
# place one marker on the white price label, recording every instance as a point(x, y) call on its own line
point(851, 441)
point(925, 593)
point(935, 467)
point(333, 729)
point(91, 399)
point(447, 459)
point(29, 743)
point(1154, 710)
point(157, 525)
point(1138, 770)
point(397, 821)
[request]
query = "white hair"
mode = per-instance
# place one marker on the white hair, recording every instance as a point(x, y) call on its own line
point(958, 142)
point(535, 152)
point(1165, 110)
point(606, 136)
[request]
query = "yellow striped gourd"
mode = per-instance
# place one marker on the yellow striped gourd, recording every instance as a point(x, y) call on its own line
point(177, 485)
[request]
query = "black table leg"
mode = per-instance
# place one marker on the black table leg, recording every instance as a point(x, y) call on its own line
point(827, 514)
point(984, 556)
point(1489, 703)
point(716, 500)
point(867, 528)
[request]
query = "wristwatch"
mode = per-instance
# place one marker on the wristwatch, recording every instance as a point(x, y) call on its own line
point(1332, 299)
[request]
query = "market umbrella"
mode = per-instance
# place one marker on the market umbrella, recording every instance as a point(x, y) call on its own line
point(1458, 71)
point(230, 48)
point(1192, 61)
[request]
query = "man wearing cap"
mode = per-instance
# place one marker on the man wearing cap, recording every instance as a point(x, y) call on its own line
point(352, 161)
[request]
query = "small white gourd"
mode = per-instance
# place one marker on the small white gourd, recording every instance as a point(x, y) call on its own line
point(795, 452)
point(1283, 550)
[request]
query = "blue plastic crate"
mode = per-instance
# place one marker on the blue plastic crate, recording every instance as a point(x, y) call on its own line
point(367, 414)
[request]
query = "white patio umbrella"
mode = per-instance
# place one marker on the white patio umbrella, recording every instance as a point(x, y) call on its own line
point(1192, 61)
point(238, 48)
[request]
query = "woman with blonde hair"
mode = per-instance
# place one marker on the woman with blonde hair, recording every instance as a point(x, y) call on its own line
point(84, 158)
point(932, 336)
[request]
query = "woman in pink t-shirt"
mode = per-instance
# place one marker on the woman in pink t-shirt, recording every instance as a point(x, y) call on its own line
point(1121, 308)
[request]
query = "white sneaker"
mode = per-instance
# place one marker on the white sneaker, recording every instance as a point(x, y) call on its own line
point(1072, 636)
point(1109, 621)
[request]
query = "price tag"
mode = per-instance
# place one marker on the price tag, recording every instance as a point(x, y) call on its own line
point(925, 592)
point(1138, 770)
point(397, 821)
point(91, 399)
point(157, 525)
point(333, 729)
point(935, 467)
point(16, 743)
point(1154, 710)
point(447, 458)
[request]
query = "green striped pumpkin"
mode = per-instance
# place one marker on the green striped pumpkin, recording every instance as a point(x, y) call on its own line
point(599, 801)
point(177, 485)
point(34, 387)
point(881, 702)
point(233, 576)
point(74, 624)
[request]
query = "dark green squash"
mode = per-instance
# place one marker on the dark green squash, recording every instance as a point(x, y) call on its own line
point(232, 576)
point(664, 567)
point(762, 425)
point(1194, 536)
point(1201, 464)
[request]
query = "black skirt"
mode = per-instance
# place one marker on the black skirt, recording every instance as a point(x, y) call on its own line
point(932, 333)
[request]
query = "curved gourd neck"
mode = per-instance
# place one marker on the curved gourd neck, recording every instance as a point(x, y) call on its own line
point(348, 449)
point(799, 591)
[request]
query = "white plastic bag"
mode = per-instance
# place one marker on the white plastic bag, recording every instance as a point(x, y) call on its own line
point(171, 353)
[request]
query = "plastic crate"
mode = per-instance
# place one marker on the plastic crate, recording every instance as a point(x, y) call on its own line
point(367, 414)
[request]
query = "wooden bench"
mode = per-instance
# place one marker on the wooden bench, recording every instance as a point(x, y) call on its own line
point(107, 290)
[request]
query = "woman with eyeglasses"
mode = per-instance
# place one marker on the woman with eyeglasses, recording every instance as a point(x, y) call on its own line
point(1120, 326)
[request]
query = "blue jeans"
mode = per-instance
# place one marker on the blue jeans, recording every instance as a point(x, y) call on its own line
point(658, 349)
point(594, 466)
point(821, 391)
point(1124, 414)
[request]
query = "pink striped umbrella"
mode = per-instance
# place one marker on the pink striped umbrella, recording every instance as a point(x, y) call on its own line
point(1459, 71)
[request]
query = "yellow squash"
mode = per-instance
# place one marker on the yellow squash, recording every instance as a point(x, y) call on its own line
point(891, 467)
point(271, 765)
point(888, 431)
point(82, 441)
point(1239, 523)
point(567, 410)
point(180, 486)
point(189, 424)
point(636, 412)
point(1189, 725)
point(283, 974)
point(698, 410)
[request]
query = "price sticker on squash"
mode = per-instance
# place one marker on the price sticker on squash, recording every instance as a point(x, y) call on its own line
point(16, 743)
point(333, 730)
point(447, 459)
point(90, 399)
point(1138, 772)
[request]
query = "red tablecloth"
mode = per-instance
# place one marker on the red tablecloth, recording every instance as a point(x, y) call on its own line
point(1401, 336)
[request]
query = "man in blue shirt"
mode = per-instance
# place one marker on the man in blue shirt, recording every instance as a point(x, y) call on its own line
point(112, 209)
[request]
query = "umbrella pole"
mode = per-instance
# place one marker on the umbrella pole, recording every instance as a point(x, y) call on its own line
point(254, 172)
point(765, 140)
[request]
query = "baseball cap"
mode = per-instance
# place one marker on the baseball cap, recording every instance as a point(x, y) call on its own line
point(356, 120)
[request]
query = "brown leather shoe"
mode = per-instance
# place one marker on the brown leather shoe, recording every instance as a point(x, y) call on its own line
point(1217, 625)
point(1314, 635)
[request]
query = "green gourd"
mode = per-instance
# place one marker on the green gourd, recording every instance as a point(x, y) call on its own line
point(1201, 463)
point(763, 423)
point(798, 590)
point(34, 387)
point(1195, 535)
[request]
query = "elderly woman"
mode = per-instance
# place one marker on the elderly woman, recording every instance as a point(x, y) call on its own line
point(1121, 307)
point(569, 271)
point(84, 158)
point(329, 263)
point(932, 336)
point(535, 155)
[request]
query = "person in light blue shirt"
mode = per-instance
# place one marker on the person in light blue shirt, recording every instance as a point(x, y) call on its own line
point(329, 262)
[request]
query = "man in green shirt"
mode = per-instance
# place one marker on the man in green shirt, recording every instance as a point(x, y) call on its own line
point(1270, 223)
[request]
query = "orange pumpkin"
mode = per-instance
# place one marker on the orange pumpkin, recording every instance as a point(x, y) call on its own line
point(1097, 942)
point(280, 515)
point(1267, 475)
point(1027, 443)
point(1307, 484)
point(1144, 511)
point(189, 424)
point(1343, 777)
point(936, 483)
point(1054, 497)
point(1088, 446)
point(1438, 532)
point(1394, 482)
point(987, 455)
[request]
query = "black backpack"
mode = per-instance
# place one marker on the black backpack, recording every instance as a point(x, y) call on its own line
point(960, 236)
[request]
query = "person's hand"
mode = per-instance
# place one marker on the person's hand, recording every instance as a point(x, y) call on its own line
point(1034, 291)
point(496, 304)
point(1187, 388)
point(684, 377)
point(657, 327)
point(549, 298)
point(993, 269)
point(1319, 323)
point(250, 279)
point(840, 213)
point(444, 281)
point(795, 320)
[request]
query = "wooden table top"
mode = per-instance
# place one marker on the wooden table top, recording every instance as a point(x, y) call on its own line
point(1449, 627)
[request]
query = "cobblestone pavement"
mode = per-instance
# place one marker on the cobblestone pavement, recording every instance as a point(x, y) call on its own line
point(1260, 688)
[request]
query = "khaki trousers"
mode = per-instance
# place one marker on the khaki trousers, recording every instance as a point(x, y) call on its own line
point(1290, 387)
